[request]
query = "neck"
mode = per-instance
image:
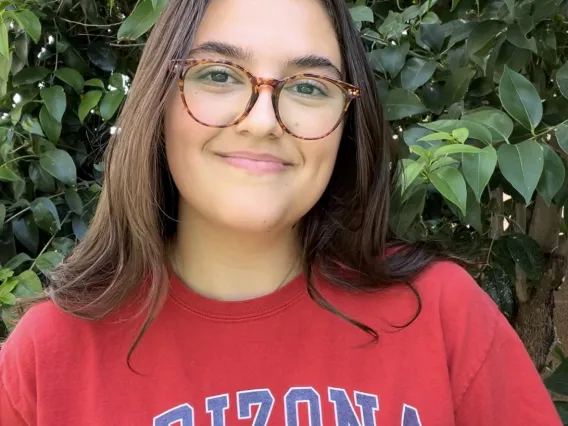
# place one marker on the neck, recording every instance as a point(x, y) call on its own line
point(224, 264)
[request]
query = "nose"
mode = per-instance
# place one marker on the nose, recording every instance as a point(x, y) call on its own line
point(261, 121)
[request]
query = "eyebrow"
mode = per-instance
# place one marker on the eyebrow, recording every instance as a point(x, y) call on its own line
point(238, 53)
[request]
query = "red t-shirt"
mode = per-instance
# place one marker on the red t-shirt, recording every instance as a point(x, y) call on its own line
point(280, 360)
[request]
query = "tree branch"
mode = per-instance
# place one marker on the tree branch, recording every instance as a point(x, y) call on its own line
point(497, 216)
point(521, 285)
point(545, 225)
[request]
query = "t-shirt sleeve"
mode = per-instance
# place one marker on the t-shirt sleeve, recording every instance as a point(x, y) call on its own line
point(8, 414)
point(507, 389)
point(18, 405)
point(494, 381)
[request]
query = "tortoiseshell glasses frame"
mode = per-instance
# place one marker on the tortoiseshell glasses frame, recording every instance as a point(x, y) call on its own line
point(181, 66)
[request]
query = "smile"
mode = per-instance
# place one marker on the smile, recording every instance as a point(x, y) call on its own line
point(254, 162)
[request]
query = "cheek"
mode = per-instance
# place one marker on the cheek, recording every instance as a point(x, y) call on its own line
point(319, 159)
point(185, 141)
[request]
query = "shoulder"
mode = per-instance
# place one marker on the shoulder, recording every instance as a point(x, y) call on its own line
point(46, 333)
point(461, 304)
point(42, 326)
point(33, 325)
point(33, 342)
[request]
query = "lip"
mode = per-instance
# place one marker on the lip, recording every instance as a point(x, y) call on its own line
point(254, 161)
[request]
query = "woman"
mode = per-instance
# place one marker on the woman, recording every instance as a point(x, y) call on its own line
point(228, 271)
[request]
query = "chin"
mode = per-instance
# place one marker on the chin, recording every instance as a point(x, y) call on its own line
point(254, 220)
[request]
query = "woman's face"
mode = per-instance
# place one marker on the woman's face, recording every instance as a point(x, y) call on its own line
point(253, 176)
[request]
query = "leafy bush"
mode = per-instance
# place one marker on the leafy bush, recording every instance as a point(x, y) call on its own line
point(476, 92)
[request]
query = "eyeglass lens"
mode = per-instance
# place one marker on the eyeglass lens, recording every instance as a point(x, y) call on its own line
point(218, 94)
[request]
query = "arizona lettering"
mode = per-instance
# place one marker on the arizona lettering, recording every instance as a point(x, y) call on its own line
point(360, 410)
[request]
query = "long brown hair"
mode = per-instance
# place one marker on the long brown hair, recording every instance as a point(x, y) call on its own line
point(346, 231)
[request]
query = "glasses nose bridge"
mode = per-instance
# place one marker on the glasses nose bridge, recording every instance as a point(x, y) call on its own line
point(265, 81)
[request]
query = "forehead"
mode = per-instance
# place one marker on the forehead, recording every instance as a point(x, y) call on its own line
point(272, 30)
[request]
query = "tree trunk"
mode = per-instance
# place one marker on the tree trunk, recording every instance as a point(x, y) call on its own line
point(535, 316)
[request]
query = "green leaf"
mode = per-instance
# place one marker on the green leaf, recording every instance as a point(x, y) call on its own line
point(17, 260)
point(60, 165)
point(520, 99)
point(31, 125)
point(110, 103)
point(103, 56)
point(48, 260)
point(522, 165)
point(7, 286)
point(8, 298)
point(552, 176)
point(30, 75)
point(392, 58)
point(497, 283)
point(51, 127)
point(116, 80)
point(419, 150)
point(95, 82)
point(74, 201)
point(392, 26)
point(42, 180)
point(5, 68)
point(22, 47)
point(55, 101)
point(2, 215)
point(476, 130)
point(8, 175)
point(411, 171)
point(29, 22)
point(63, 245)
point(562, 408)
point(511, 6)
point(451, 184)
point(516, 37)
point(483, 35)
point(457, 85)
point(403, 212)
point(478, 169)
point(28, 284)
point(430, 17)
point(18, 188)
point(141, 19)
point(562, 137)
point(25, 230)
point(402, 103)
point(460, 30)
point(460, 134)
point(362, 14)
point(527, 255)
point(431, 37)
point(454, 5)
point(417, 72)
point(72, 77)
point(5, 273)
point(88, 102)
point(438, 136)
point(4, 47)
point(45, 214)
point(562, 79)
point(79, 227)
point(457, 148)
point(443, 162)
point(499, 124)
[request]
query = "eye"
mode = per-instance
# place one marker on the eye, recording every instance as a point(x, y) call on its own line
point(308, 88)
point(216, 75)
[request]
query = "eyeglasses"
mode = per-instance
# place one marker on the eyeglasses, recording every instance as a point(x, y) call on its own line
point(220, 94)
